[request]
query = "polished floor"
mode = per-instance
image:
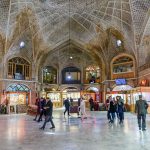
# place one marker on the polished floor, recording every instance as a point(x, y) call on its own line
point(20, 132)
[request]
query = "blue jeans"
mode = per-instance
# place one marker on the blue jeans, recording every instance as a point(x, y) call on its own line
point(112, 117)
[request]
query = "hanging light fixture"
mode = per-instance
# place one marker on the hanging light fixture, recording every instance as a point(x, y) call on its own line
point(70, 57)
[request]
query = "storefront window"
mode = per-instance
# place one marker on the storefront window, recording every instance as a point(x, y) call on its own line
point(49, 75)
point(19, 69)
point(17, 98)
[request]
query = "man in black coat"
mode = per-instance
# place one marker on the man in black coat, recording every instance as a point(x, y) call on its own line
point(141, 110)
point(43, 103)
point(67, 106)
point(48, 114)
point(91, 101)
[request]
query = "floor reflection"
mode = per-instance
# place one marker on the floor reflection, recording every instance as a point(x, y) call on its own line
point(20, 132)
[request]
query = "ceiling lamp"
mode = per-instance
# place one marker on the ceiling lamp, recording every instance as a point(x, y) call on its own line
point(69, 34)
point(22, 44)
point(69, 76)
point(119, 43)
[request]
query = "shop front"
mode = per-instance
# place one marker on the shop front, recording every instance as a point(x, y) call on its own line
point(55, 96)
point(123, 91)
point(17, 98)
point(72, 93)
point(91, 92)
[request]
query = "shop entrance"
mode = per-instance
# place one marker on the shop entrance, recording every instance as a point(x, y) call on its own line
point(17, 96)
point(123, 91)
point(72, 93)
point(95, 94)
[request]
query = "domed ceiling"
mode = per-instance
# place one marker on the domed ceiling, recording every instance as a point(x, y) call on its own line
point(53, 22)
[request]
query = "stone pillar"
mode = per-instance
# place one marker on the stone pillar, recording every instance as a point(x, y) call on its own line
point(104, 91)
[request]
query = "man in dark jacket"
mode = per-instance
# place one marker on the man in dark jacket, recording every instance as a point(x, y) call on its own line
point(48, 114)
point(38, 104)
point(67, 106)
point(91, 101)
point(43, 103)
point(112, 111)
point(141, 110)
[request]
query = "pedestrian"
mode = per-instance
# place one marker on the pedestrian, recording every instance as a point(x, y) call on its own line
point(38, 104)
point(91, 101)
point(82, 109)
point(141, 110)
point(120, 111)
point(67, 106)
point(79, 102)
point(111, 112)
point(43, 103)
point(48, 114)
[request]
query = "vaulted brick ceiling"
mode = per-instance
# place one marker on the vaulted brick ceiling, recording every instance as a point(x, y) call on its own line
point(80, 20)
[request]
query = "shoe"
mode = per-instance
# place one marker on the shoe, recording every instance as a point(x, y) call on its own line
point(34, 119)
point(52, 128)
point(42, 128)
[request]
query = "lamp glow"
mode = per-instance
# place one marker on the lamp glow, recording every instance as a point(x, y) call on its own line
point(119, 42)
point(22, 44)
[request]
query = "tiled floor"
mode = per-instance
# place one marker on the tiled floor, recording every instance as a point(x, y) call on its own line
point(20, 132)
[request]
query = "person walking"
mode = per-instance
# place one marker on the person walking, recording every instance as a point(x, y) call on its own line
point(91, 101)
point(48, 114)
point(43, 103)
point(82, 109)
point(141, 110)
point(67, 106)
point(38, 104)
point(120, 111)
point(112, 111)
point(79, 102)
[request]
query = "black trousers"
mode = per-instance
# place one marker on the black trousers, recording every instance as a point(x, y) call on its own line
point(47, 119)
point(141, 120)
point(41, 114)
point(66, 110)
point(91, 107)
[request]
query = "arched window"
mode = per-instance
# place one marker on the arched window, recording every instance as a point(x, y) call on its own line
point(18, 68)
point(49, 75)
point(17, 88)
point(92, 74)
point(122, 66)
point(71, 75)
